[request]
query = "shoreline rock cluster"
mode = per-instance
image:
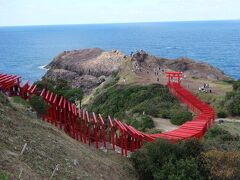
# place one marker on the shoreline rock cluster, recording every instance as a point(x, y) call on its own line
point(88, 68)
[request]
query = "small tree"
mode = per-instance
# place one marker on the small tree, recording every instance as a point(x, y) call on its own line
point(73, 95)
point(39, 105)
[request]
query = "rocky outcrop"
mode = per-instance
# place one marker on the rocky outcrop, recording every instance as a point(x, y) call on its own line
point(196, 69)
point(189, 67)
point(86, 68)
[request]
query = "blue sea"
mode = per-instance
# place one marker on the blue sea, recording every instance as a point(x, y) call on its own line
point(25, 50)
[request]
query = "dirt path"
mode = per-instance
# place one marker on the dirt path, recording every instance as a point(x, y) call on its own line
point(164, 124)
point(228, 120)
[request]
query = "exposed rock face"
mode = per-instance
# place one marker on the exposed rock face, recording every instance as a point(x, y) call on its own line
point(88, 68)
point(197, 69)
point(85, 68)
point(189, 67)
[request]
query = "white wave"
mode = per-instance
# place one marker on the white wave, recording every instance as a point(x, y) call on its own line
point(43, 67)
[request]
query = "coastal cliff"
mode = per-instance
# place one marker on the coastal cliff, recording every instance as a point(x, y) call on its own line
point(85, 68)
point(88, 68)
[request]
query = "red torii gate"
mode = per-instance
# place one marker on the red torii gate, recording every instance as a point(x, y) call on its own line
point(23, 90)
point(31, 90)
point(10, 83)
point(88, 133)
point(172, 76)
point(95, 128)
point(80, 124)
point(111, 135)
point(123, 137)
point(102, 131)
point(129, 138)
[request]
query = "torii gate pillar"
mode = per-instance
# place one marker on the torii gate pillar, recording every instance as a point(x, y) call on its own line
point(174, 77)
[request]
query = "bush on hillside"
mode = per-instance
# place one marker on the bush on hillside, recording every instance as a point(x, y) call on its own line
point(72, 95)
point(231, 103)
point(182, 169)
point(61, 88)
point(45, 83)
point(3, 176)
point(140, 122)
point(39, 105)
point(165, 160)
point(221, 114)
point(179, 116)
point(220, 139)
point(20, 100)
point(222, 165)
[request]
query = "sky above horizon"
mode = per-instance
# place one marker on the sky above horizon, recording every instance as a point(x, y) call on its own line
point(52, 12)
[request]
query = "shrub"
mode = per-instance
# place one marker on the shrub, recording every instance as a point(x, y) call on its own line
point(61, 88)
point(72, 95)
point(220, 139)
point(140, 122)
point(3, 177)
point(47, 84)
point(236, 85)
point(231, 103)
point(147, 122)
point(19, 100)
point(222, 114)
point(39, 105)
point(183, 169)
point(165, 160)
point(179, 117)
point(222, 165)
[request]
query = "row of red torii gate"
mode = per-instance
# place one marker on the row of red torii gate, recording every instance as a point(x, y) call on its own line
point(91, 128)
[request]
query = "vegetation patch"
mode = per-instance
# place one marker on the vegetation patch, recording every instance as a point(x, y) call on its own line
point(217, 156)
point(20, 100)
point(220, 139)
point(61, 88)
point(164, 160)
point(39, 105)
point(3, 176)
point(140, 122)
point(231, 104)
point(137, 103)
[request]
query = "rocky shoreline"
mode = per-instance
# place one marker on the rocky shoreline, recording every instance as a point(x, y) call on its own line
point(88, 68)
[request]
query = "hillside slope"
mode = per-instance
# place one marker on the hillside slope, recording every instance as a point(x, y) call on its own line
point(47, 147)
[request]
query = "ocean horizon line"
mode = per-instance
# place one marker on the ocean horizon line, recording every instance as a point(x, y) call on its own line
point(116, 23)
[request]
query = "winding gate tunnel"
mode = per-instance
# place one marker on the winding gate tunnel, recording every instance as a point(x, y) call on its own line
point(90, 128)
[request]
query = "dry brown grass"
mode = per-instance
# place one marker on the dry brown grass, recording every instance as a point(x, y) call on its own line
point(47, 146)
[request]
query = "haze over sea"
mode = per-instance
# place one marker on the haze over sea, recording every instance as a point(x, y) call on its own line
point(23, 50)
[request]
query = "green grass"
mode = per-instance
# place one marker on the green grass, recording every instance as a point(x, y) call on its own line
point(3, 176)
point(19, 100)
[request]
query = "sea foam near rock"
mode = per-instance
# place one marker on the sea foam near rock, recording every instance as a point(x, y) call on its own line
point(43, 67)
